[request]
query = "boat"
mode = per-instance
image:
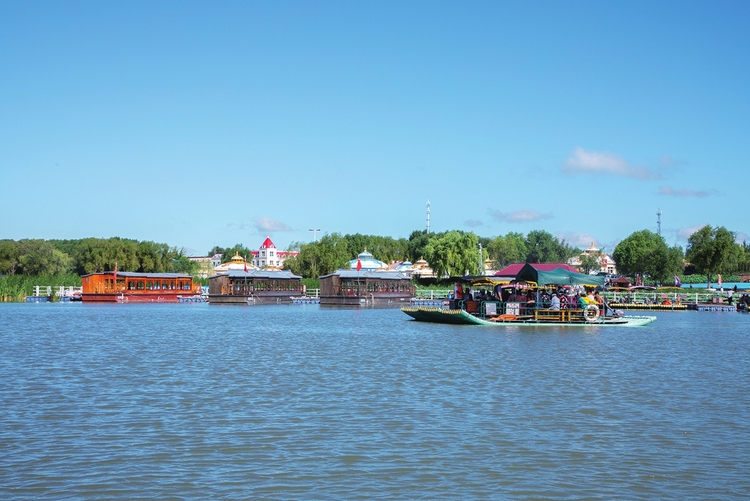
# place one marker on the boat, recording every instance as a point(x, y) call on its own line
point(491, 309)
point(254, 286)
point(126, 287)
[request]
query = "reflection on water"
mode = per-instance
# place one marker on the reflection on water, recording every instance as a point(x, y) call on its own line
point(299, 402)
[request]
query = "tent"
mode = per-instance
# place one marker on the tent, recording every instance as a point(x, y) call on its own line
point(557, 276)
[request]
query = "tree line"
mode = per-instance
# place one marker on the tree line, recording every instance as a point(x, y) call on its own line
point(89, 255)
point(450, 253)
point(710, 251)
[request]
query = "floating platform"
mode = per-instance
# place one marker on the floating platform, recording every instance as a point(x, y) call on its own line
point(712, 307)
point(305, 300)
point(191, 299)
point(645, 306)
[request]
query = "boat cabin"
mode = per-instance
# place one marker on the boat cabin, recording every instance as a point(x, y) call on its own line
point(254, 286)
point(352, 287)
point(125, 286)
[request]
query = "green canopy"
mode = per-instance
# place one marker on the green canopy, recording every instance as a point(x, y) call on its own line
point(558, 276)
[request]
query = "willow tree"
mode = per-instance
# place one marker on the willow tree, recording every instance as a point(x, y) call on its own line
point(454, 253)
point(713, 250)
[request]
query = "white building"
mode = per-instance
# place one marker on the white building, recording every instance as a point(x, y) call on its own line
point(268, 256)
point(606, 263)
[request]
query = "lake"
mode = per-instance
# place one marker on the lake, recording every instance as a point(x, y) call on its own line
point(192, 401)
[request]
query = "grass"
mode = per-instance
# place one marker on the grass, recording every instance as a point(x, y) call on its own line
point(17, 287)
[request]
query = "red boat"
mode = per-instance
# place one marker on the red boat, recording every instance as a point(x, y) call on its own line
point(124, 287)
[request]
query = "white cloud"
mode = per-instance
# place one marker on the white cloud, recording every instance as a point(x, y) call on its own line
point(671, 192)
point(519, 216)
point(684, 233)
point(742, 237)
point(581, 240)
point(268, 225)
point(473, 223)
point(592, 162)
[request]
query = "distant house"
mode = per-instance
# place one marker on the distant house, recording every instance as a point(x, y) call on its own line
point(269, 257)
point(606, 263)
point(367, 262)
point(236, 263)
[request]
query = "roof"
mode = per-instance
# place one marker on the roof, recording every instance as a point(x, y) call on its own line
point(383, 275)
point(134, 274)
point(267, 244)
point(256, 273)
point(367, 262)
point(512, 269)
point(558, 276)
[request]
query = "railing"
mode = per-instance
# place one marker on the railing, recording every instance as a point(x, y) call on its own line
point(656, 297)
point(60, 291)
point(313, 293)
point(433, 294)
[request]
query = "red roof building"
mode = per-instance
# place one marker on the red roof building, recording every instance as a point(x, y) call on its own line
point(267, 256)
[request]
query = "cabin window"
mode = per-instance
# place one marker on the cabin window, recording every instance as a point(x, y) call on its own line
point(165, 285)
point(139, 285)
point(149, 285)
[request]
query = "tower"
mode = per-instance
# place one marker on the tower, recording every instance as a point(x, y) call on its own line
point(658, 221)
point(428, 216)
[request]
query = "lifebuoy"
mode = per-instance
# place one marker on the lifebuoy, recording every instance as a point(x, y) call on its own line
point(591, 313)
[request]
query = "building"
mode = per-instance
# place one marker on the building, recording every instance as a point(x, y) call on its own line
point(268, 256)
point(367, 262)
point(237, 263)
point(606, 263)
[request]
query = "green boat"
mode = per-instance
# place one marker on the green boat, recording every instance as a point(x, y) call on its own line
point(543, 318)
point(490, 312)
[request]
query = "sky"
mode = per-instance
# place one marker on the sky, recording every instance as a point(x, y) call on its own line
point(215, 123)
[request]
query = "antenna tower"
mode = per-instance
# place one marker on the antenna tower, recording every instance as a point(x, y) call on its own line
point(658, 222)
point(428, 216)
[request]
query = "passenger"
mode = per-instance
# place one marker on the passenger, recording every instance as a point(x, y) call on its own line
point(458, 291)
point(581, 302)
point(555, 302)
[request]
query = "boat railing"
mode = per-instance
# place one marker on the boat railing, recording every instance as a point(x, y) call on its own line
point(433, 294)
point(524, 310)
point(673, 298)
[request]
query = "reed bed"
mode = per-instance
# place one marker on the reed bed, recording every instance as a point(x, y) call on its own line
point(17, 287)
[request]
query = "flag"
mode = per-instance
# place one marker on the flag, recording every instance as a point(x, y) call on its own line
point(359, 264)
point(245, 261)
point(719, 280)
point(638, 280)
point(115, 272)
point(677, 282)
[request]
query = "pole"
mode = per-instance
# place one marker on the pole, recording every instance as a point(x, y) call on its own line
point(315, 234)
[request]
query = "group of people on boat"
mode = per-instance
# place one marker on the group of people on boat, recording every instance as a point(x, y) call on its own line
point(529, 299)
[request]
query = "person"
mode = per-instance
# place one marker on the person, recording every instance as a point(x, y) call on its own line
point(555, 302)
point(498, 292)
point(599, 302)
point(458, 291)
point(581, 301)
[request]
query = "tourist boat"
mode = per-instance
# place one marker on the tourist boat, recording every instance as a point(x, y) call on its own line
point(254, 286)
point(357, 288)
point(489, 310)
point(124, 287)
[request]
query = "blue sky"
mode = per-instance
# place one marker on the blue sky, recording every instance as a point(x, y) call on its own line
point(215, 123)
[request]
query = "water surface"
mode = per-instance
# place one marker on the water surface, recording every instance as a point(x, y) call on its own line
point(191, 401)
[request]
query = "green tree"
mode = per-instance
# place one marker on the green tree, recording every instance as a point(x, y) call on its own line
point(646, 253)
point(325, 256)
point(508, 249)
point(588, 264)
point(9, 254)
point(454, 253)
point(713, 250)
point(38, 257)
point(542, 247)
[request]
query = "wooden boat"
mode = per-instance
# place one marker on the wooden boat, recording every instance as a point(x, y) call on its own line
point(254, 286)
point(125, 286)
point(539, 318)
point(489, 310)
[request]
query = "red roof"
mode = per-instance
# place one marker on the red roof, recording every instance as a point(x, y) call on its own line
point(512, 269)
point(267, 244)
